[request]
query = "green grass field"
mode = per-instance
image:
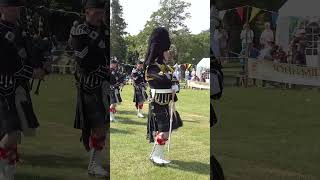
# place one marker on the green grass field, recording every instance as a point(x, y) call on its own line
point(269, 134)
point(190, 146)
point(56, 153)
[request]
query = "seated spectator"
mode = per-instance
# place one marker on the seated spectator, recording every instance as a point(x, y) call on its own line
point(266, 52)
point(254, 52)
point(279, 55)
point(267, 35)
point(298, 46)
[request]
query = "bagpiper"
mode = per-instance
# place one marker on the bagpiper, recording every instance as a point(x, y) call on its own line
point(139, 85)
point(117, 81)
point(19, 63)
point(89, 41)
point(162, 118)
point(216, 90)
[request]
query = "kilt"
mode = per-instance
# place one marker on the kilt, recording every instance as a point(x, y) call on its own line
point(115, 96)
point(140, 94)
point(159, 120)
point(216, 171)
point(91, 110)
point(16, 111)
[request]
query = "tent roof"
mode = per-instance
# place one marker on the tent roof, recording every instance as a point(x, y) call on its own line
point(300, 8)
point(205, 62)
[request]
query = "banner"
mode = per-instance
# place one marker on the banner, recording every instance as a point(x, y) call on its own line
point(221, 14)
point(285, 73)
point(240, 11)
point(254, 12)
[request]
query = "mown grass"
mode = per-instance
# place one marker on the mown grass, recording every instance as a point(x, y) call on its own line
point(268, 134)
point(56, 152)
point(190, 148)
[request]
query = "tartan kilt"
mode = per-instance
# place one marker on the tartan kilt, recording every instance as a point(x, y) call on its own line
point(159, 120)
point(115, 96)
point(92, 107)
point(16, 111)
point(140, 95)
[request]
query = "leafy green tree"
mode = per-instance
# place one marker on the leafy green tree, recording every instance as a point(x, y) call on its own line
point(117, 32)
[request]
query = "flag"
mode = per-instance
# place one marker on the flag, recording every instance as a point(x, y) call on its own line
point(221, 14)
point(254, 13)
point(240, 11)
point(188, 66)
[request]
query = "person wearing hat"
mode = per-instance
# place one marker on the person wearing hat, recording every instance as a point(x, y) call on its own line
point(117, 80)
point(89, 41)
point(139, 84)
point(162, 118)
point(246, 36)
point(17, 66)
point(298, 47)
point(267, 35)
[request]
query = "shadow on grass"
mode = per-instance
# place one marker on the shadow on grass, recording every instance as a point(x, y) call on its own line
point(127, 112)
point(22, 176)
point(119, 131)
point(140, 122)
point(197, 122)
point(196, 167)
point(53, 161)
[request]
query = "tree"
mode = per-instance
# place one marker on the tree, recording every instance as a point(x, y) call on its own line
point(187, 47)
point(117, 32)
point(132, 52)
point(192, 48)
point(171, 15)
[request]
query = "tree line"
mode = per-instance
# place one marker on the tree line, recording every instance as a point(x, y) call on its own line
point(187, 47)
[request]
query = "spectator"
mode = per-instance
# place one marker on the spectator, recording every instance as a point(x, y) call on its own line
point(254, 52)
point(193, 73)
point(221, 37)
point(177, 72)
point(73, 28)
point(298, 46)
point(195, 78)
point(267, 35)
point(186, 75)
point(246, 36)
point(279, 55)
point(266, 52)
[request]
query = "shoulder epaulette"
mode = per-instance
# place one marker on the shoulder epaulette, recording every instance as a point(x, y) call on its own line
point(81, 29)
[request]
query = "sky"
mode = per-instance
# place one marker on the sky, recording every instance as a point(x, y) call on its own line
point(137, 12)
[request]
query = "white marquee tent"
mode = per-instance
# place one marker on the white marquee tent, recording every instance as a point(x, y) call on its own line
point(300, 14)
point(294, 8)
point(202, 66)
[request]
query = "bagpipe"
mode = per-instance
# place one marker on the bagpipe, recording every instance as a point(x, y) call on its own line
point(35, 20)
point(119, 79)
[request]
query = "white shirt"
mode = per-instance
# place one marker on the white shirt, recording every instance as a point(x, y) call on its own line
point(265, 53)
point(266, 35)
point(246, 34)
point(221, 37)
